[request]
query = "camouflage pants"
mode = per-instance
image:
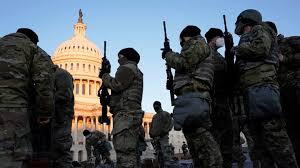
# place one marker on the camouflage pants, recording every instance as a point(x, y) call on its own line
point(272, 144)
point(15, 146)
point(290, 97)
point(222, 130)
point(163, 151)
point(61, 145)
point(203, 148)
point(126, 147)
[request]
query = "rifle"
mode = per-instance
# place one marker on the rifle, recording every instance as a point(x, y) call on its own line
point(168, 70)
point(104, 95)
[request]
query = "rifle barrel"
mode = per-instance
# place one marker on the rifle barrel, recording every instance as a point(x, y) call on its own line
point(224, 18)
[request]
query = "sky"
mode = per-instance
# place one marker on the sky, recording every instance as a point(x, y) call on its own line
point(138, 24)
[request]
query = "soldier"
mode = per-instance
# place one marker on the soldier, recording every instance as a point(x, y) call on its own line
point(161, 125)
point(184, 149)
point(62, 121)
point(289, 78)
point(125, 105)
point(101, 146)
point(221, 113)
point(22, 70)
point(256, 62)
point(194, 73)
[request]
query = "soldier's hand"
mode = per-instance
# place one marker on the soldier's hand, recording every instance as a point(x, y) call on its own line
point(43, 120)
point(106, 68)
point(228, 41)
point(165, 51)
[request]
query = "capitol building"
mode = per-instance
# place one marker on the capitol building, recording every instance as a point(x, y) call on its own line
point(82, 58)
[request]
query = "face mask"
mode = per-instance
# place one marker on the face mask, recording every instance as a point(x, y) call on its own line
point(220, 42)
point(181, 42)
point(121, 59)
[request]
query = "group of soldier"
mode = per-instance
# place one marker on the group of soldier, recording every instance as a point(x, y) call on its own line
point(256, 93)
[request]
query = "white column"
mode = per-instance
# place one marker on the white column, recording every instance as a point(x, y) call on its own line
point(84, 128)
point(75, 134)
point(111, 123)
point(95, 84)
point(93, 123)
point(97, 123)
point(88, 87)
point(80, 86)
point(75, 155)
point(147, 130)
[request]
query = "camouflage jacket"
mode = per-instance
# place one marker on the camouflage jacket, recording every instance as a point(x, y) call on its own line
point(126, 88)
point(252, 53)
point(92, 140)
point(193, 66)
point(161, 124)
point(24, 67)
point(289, 72)
point(64, 98)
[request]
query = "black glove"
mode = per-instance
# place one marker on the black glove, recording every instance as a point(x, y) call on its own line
point(165, 51)
point(105, 67)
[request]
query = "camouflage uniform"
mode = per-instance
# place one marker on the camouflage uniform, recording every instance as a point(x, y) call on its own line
point(20, 66)
point(125, 105)
point(221, 113)
point(192, 84)
point(289, 78)
point(100, 147)
point(160, 127)
point(62, 123)
point(256, 64)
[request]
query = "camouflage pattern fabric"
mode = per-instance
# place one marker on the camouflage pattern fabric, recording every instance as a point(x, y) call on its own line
point(289, 77)
point(92, 140)
point(253, 48)
point(161, 125)
point(291, 103)
point(21, 66)
point(221, 113)
point(125, 105)
point(203, 148)
point(62, 124)
point(194, 73)
point(269, 136)
point(15, 145)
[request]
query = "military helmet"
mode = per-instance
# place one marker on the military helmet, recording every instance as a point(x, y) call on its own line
point(250, 15)
point(247, 17)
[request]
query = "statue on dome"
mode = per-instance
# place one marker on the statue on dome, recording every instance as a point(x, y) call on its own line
point(80, 16)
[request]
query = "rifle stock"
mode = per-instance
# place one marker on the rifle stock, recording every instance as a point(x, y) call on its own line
point(168, 70)
point(104, 95)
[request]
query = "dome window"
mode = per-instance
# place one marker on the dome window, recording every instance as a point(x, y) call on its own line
point(82, 47)
point(83, 66)
point(78, 47)
point(69, 47)
point(87, 48)
point(66, 66)
point(94, 68)
point(73, 47)
point(77, 88)
point(65, 48)
point(89, 67)
point(71, 66)
point(77, 66)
